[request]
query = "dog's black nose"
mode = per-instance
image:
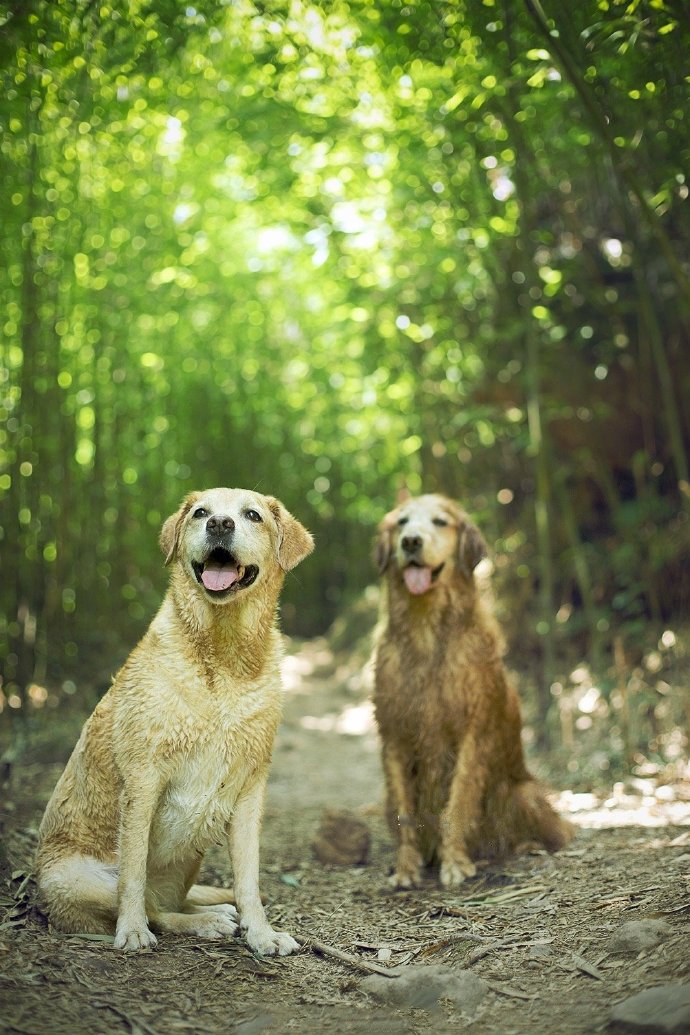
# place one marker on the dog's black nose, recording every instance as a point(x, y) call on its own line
point(411, 543)
point(220, 525)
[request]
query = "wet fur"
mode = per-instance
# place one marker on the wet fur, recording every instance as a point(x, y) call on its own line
point(175, 756)
point(449, 718)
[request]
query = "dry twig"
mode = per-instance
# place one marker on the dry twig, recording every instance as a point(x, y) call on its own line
point(320, 948)
point(515, 993)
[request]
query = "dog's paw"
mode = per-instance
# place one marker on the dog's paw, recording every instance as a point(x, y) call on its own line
point(455, 871)
point(402, 879)
point(267, 942)
point(222, 909)
point(133, 938)
point(228, 911)
point(215, 924)
point(408, 868)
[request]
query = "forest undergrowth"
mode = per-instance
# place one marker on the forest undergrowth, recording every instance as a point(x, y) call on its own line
point(542, 938)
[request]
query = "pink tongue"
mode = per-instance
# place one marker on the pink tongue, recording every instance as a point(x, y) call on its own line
point(219, 577)
point(417, 580)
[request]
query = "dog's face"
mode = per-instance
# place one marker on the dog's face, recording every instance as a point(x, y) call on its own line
point(427, 539)
point(228, 540)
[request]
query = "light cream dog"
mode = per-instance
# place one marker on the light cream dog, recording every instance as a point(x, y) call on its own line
point(175, 756)
point(457, 785)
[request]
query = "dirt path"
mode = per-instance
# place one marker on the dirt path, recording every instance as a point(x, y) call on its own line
point(540, 932)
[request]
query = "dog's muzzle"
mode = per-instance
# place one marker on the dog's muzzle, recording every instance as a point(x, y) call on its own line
point(220, 573)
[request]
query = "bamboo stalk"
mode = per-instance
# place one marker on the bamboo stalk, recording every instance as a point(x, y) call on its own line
point(623, 172)
point(670, 409)
point(537, 438)
point(622, 680)
point(581, 571)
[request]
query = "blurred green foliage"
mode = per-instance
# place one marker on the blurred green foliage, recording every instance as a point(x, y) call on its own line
point(331, 250)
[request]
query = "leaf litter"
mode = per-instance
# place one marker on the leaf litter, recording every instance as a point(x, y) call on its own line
point(535, 928)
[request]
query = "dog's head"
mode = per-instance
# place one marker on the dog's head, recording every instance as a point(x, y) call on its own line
point(228, 540)
point(427, 538)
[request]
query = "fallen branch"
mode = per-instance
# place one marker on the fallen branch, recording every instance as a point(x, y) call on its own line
point(479, 954)
point(679, 909)
point(320, 948)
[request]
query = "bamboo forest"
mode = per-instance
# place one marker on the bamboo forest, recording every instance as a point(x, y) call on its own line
point(344, 253)
point(333, 251)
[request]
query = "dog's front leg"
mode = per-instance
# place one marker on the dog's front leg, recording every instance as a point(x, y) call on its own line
point(137, 807)
point(402, 812)
point(461, 815)
point(245, 828)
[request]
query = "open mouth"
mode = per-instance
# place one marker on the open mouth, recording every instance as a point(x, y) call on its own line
point(420, 577)
point(221, 574)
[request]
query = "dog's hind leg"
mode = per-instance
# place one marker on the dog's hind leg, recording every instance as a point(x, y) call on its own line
point(213, 922)
point(204, 911)
point(202, 894)
point(205, 895)
point(79, 894)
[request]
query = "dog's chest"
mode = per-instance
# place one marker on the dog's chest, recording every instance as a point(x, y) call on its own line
point(200, 796)
point(422, 696)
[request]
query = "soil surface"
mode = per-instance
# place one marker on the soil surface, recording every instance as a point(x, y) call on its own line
point(542, 931)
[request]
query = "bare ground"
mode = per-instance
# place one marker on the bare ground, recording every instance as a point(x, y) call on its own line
point(539, 929)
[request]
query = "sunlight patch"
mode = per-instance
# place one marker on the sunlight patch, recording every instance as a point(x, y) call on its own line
point(640, 804)
point(354, 721)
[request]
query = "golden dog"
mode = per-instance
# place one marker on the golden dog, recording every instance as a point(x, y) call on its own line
point(175, 756)
point(449, 719)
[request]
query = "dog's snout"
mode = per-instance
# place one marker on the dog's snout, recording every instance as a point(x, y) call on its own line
point(411, 543)
point(220, 525)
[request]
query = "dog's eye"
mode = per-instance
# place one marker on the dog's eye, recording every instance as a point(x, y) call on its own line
point(402, 521)
point(253, 515)
point(200, 512)
point(441, 522)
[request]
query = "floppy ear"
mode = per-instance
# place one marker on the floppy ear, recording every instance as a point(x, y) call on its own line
point(471, 547)
point(384, 542)
point(170, 532)
point(294, 542)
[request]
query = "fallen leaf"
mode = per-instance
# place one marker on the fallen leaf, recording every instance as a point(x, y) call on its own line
point(515, 993)
point(587, 968)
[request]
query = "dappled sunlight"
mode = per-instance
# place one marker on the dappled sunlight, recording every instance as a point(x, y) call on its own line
point(628, 713)
point(339, 254)
point(356, 720)
point(296, 669)
point(639, 802)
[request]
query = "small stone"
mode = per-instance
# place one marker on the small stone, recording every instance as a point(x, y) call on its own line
point(639, 935)
point(423, 988)
point(342, 839)
point(658, 1011)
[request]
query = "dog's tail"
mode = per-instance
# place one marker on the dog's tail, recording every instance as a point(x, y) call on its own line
point(519, 816)
point(535, 819)
point(79, 894)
